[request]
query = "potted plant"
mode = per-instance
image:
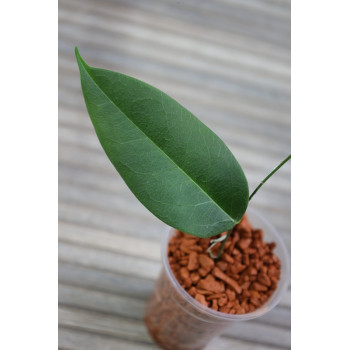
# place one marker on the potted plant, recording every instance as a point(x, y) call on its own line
point(217, 267)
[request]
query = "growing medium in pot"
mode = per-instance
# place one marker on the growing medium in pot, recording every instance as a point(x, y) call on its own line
point(187, 177)
point(241, 281)
point(176, 320)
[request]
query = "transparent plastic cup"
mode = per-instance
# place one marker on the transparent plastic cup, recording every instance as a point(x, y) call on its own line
point(176, 321)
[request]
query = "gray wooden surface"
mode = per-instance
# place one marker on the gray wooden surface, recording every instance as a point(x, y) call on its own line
point(228, 61)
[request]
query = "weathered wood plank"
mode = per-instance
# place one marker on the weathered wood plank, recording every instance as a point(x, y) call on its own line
point(122, 328)
point(118, 243)
point(278, 317)
point(108, 261)
point(263, 7)
point(195, 59)
point(121, 306)
point(105, 281)
point(260, 333)
point(286, 299)
point(82, 340)
point(135, 330)
point(103, 201)
point(210, 36)
point(124, 306)
point(108, 221)
point(211, 19)
point(225, 96)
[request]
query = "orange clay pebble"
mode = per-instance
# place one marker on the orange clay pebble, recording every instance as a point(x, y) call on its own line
point(219, 274)
point(195, 277)
point(264, 279)
point(215, 296)
point(201, 299)
point(192, 261)
point(230, 294)
point(227, 258)
point(246, 260)
point(203, 272)
point(244, 243)
point(210, 284)
point(204, 292)
point(184, 273)
point(183, 262)
point(188, 282)
point(192, 291)
point(222, 265)
point(252, 271)
point(259, 287)
point(222, 301)
point(237, 268)
point(206, 262)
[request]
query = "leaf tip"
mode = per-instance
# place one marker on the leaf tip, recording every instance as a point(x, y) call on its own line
point(79, 58)
point(77, 54)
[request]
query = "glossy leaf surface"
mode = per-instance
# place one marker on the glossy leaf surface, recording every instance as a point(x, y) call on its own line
point(175, 165)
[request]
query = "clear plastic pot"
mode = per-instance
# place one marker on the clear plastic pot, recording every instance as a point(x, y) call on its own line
point(175, 320)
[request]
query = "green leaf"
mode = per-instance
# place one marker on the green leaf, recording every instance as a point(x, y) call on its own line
point(175, 165)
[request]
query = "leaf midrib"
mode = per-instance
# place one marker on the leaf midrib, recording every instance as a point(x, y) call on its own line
point(149, 138)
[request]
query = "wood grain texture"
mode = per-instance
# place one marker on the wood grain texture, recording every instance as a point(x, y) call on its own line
point(228, 62)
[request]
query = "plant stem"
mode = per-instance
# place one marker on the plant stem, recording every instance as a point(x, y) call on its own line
point(268, 176)
point(223, 244)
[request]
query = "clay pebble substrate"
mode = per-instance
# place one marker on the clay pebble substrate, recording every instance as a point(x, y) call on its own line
point(243, 278)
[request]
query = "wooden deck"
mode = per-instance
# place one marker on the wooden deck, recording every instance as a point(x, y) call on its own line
point(228, 61)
